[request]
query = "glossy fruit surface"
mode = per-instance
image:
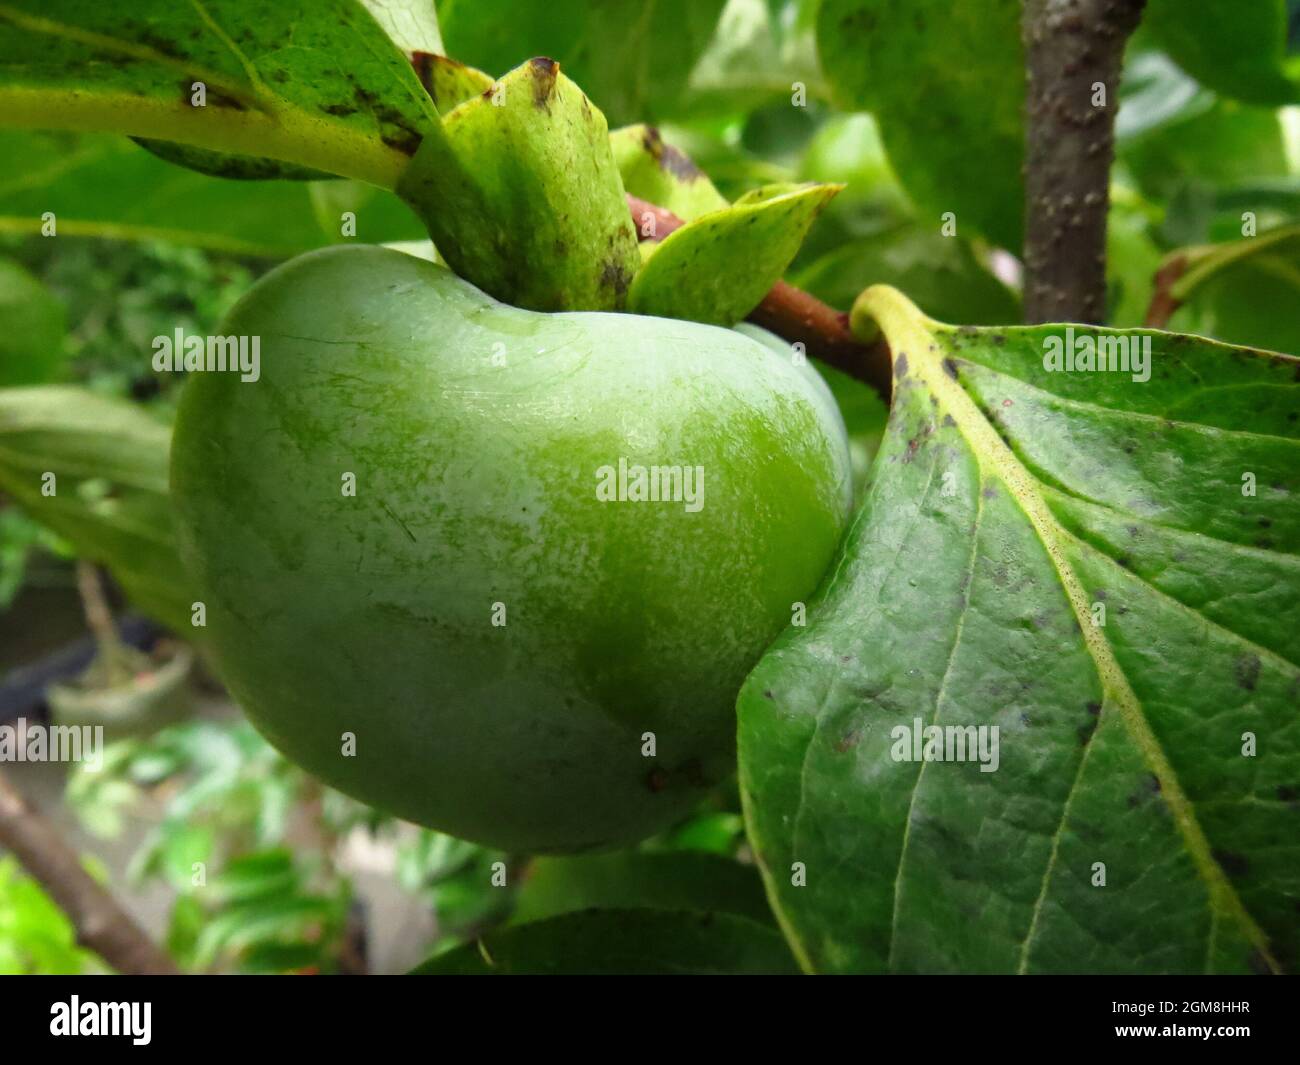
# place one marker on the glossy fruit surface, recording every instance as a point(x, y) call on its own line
point(497, 638)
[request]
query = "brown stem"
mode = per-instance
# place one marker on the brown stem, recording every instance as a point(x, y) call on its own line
point(1073, 53)
point(99, 619)
point(792, 314)
point(1163, 301)
point(101, 924)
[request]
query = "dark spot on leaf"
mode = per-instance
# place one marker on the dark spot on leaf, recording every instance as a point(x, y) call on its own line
point(950, 368)
point(1094, 708)
point(1232, 863)
point(900, 365)
point(1287, 794)
point(767, 694)
point(1245, 669)
point(848, 741)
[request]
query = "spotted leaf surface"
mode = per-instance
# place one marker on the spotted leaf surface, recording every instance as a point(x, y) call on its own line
point(319, 86)
point(1103, 566)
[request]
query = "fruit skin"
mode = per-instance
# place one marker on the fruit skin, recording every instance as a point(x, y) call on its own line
point(475, 485)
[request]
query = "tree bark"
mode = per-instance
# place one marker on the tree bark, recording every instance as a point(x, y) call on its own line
point(1074, 50)
point(101, 924)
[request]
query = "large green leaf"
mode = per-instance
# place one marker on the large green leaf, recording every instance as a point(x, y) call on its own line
point(621, 942)
point(31, 329)
point(941, 79)
point(940, 273)
point(632, 57)
point(1236, 47)
point(109, 494)
point(104, 186)
point(319, 86)
point(1103, 568)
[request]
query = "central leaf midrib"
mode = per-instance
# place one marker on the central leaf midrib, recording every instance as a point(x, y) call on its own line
point(910, 333)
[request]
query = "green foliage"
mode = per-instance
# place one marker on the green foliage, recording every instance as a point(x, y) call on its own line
point(1105, 573)
point(632, 58)
point(692, 273)
point(1062, 492)
point(31, 329)
point(109, 495)
point(1237, 48)
point(622, 942)
point(343, 100)
point(36, 937)
point(940, 78)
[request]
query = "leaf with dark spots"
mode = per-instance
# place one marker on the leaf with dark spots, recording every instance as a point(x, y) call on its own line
point(295, 107)
point(1137, 757)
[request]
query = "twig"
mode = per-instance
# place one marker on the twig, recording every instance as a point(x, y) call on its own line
point(101, 924)
point(1163, 301)
point(1073, 53)
point(792, 314)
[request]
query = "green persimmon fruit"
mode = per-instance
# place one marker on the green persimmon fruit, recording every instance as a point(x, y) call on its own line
point(428, 572)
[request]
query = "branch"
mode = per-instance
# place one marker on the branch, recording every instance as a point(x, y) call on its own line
point(1163, 301)
point(1073, 53)
point(101, 924)
point(793, 314)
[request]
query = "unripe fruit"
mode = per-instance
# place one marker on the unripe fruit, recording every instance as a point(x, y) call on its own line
point(496, 634)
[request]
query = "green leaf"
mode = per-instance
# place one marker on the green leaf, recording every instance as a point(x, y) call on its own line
point(718, 267)
point(1224, 143)
point(1105, 569)
point(110, 501)
point(661, 174)
point(343, 99)
point(674, 880)
point(1233, 291)
point(31, 329)
point(940, 78)
point(1235, 47)
point(522, 197)
point(940, 273)
point(101, 185)
point(621, 942)
point(632, 57)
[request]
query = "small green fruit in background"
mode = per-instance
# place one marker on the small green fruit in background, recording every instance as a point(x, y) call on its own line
point(475, 636)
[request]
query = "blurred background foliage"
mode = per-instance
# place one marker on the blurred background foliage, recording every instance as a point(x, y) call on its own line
point(259, 866)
